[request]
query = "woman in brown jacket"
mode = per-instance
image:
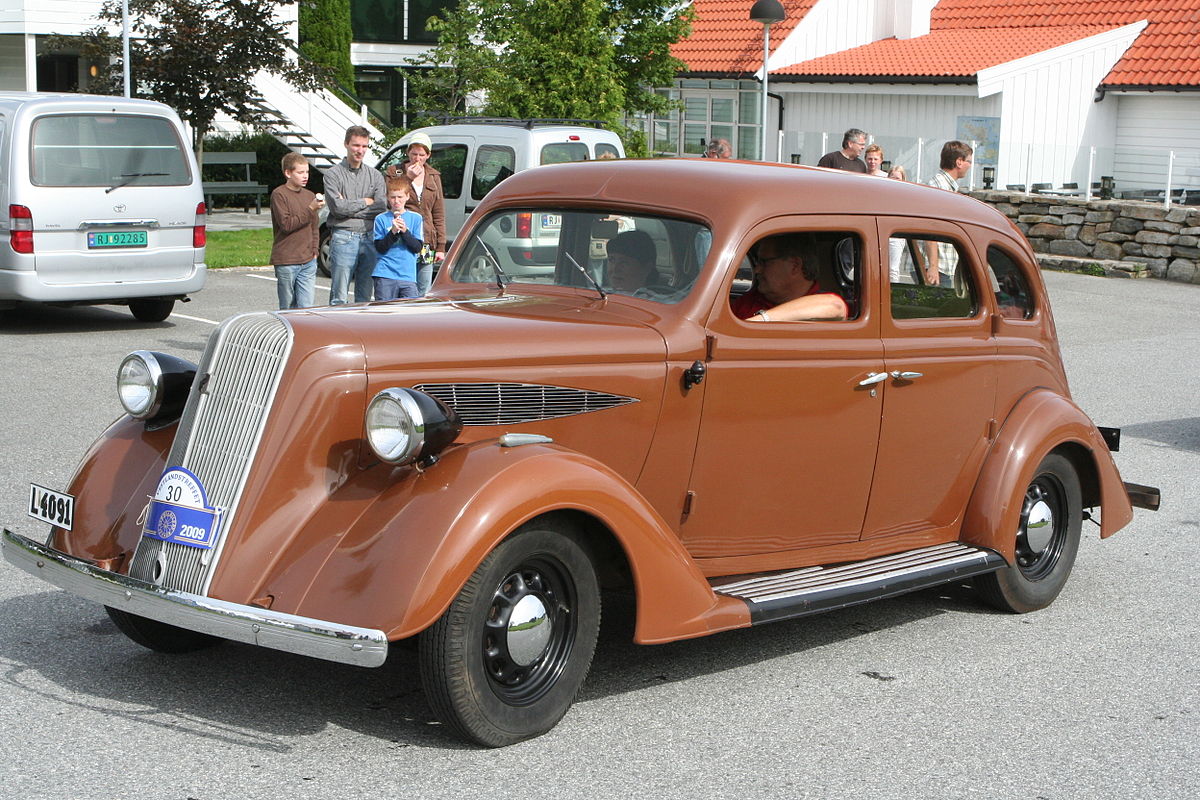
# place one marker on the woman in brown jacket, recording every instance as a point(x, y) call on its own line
point(428, 200)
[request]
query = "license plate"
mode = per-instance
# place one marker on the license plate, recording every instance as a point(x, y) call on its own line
point(118, 239)
point(551, 220)
point(51, 506)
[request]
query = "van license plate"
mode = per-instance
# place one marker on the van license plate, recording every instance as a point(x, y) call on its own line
point(551, 220)
point(118, 239)
point(51, 506)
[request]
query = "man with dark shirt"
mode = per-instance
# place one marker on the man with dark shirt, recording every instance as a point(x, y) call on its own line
point(848, 158)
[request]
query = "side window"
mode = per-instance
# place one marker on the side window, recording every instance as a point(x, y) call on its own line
point(795, 277)
point(929, 278)
point(493, 163)
point(564, 152)
point(451, 161)
point(606, 150)
point(1009, 283)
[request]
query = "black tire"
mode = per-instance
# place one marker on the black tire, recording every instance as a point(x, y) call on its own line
point(151, 310)
point(160, 636)
point(496, 682)
point(323, 252)
point(1045, 551)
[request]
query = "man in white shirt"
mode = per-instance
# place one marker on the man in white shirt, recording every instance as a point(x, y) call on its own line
point(956, 161)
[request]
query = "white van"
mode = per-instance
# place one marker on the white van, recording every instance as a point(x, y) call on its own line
point(100, 202)
point(475, 156)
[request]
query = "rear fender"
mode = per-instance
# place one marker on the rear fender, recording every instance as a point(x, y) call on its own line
point(1041, 422)
point(405, 558)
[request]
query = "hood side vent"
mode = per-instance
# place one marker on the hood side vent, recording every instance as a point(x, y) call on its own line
point(516, 403)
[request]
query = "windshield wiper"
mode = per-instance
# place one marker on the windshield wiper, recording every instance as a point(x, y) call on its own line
point(129, 176)
point(502, 278)
point(586, 274)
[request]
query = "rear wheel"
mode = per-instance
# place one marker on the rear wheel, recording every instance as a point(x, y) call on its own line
point(151, 310)
point(1047, 541)
point(505, 661)
point(160, 636)
point(323, 252)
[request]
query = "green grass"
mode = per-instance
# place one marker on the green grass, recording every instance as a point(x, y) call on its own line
point(250, 248)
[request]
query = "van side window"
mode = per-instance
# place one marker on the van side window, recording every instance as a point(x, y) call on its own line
point(606, 150)
point(563, 152)
point(929, 278)
point(493, 163)
point(451, 161)
point(1009, 283)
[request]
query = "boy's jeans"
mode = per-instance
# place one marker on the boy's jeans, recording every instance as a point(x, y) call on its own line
point(295, 283)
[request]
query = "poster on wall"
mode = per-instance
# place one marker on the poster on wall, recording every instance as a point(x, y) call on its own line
point(985, 133)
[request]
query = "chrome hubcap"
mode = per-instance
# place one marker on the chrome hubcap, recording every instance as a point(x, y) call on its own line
point(1039, 528)
point(529, 631)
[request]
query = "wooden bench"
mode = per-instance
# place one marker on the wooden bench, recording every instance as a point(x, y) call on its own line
point(246, 187)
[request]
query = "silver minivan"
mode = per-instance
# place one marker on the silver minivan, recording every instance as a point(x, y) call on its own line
point(100, 202)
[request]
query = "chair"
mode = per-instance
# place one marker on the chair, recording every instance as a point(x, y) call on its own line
point(1039, 188)
point(1016, 187)
point(1070, 188)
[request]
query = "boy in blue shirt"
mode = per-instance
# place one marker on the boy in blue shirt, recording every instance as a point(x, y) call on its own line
point(398, 235)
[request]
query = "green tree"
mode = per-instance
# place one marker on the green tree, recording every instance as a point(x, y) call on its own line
point(585, 59)
point(449, 73)
point(198, 56)
point(325, 36)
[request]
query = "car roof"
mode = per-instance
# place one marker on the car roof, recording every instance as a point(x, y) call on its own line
point(514, 130)
point(739, 192)
point(35, 102)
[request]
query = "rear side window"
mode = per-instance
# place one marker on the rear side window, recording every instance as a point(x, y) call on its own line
point(606, 150)
point(563, 152)
point(493, 164)
point(451, 161)
point(930, 278)
point(1012, 290)
point(107, 150)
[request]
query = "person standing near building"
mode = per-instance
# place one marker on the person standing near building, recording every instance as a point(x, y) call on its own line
point(942, 258)
point(853, 142)
point(874, 159)
point(718, 148)
point(355, 196)
point(427, 199)
point(296, 234)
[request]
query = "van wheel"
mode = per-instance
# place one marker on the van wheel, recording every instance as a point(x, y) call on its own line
point(159, 636)
point(505, 661)
point(151, 310)
point(323, 252)
point(1047, 541)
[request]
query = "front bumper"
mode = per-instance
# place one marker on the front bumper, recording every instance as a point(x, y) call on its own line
point(347, 644)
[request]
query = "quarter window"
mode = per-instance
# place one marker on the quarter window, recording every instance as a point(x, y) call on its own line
point(929, 278)
point(493, 163)
point(451, 161)
point(1013, 297)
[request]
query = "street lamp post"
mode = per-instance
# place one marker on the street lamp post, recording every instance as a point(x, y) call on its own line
point(768, 12)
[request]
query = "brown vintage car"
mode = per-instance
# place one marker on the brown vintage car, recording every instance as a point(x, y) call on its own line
point(472, 468)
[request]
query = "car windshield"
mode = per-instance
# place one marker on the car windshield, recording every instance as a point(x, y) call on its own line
point(654, 258)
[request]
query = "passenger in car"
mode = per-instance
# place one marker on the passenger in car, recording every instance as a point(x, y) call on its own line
point(785, 287)
point(631, 261)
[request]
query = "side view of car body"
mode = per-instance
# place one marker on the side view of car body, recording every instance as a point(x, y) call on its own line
point(101, 203)
point(477, 466)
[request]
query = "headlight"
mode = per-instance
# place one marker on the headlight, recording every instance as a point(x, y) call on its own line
point(154, 386)
point(404, 425)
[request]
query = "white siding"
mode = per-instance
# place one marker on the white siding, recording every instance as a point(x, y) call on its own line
point(68, 17)
point(1148, 128)
point(12, 63)
point(903, 120)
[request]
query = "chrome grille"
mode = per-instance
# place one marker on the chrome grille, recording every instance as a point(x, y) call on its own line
point(218, 437)
point(514, 403)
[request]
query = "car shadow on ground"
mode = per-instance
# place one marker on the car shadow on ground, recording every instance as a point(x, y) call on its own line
point(1178, 434)
point(67, 652)
point(37, 319)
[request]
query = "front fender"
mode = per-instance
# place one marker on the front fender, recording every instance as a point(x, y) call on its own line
point(405, 557)
point(1041, 422)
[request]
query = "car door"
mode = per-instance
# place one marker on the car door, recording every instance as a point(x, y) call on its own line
point(791, 415)
point(940, 358)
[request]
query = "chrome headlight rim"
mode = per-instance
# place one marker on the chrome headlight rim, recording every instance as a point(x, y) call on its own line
point(430, 426)
point(154, 385)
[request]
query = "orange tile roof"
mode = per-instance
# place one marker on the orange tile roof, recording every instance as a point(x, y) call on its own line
point(1166, 54)
point(725, 41)
point(945, 53)
point(963, 40)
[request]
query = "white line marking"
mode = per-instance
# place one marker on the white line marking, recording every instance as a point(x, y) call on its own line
point(271, 278)
point(194, 319)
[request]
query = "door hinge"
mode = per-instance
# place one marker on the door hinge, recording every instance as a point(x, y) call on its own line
point(687, 503)
point(993, 430)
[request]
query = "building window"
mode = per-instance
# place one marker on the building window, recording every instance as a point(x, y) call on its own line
point(716, 109)
point(385, 90)
point(396, 21)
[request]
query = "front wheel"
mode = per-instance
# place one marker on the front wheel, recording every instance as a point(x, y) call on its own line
point(160, 636)
point(1047, 541)
point(505, 661)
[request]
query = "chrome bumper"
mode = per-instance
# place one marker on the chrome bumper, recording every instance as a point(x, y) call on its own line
point(363, 647)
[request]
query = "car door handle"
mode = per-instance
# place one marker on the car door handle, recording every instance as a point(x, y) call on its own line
point(906, 376)
point(873, 378)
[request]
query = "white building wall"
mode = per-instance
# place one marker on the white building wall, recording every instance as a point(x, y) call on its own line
point(12, 62)
point(910, 122)
point(1050, 118)
point(67, 17)
point(1148, 128)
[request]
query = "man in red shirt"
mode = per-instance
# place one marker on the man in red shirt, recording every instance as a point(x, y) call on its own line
point(785, 290)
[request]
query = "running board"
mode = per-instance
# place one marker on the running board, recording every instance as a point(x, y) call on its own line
point(812, 590)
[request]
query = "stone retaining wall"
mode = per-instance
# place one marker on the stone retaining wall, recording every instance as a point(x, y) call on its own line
point(1117, 236)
